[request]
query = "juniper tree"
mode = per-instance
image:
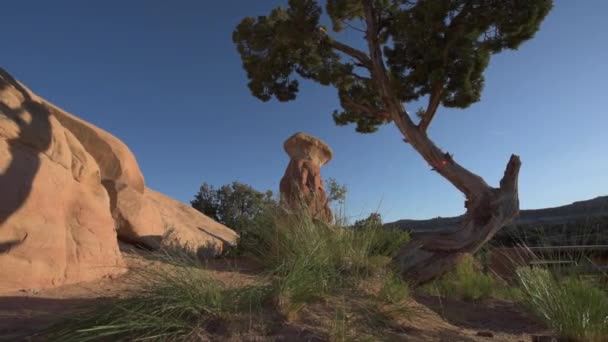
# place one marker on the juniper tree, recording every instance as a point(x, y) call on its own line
point(236, 204)
point(420, 50)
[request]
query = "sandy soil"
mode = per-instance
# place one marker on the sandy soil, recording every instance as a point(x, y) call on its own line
point(431, 319)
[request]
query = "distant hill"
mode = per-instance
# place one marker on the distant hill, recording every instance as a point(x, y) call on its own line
point(588, 217)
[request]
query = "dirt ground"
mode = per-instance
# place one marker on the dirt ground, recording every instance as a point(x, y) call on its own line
point(24, 313)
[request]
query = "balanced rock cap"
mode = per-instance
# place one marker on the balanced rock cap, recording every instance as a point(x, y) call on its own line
point(305, 146)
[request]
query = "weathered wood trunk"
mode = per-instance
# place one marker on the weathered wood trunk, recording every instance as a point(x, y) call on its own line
point(430, 255)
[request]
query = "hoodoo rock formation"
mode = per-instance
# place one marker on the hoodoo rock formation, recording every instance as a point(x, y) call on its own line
point(68, 189)
point(302, 185)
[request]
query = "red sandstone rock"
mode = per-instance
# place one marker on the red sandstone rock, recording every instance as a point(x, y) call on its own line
point(67, 187)
point(55, 221)
point(302, 185)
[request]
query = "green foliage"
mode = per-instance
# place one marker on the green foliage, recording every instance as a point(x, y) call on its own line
point(573, 308)
point(175, 302)
point(336, 192)
point(440, 47)
point(449, 42)
point(374, 220)
point(310, 260)
point(394, 289)
point(466, 281)
point(383, 240)
point(236, 205)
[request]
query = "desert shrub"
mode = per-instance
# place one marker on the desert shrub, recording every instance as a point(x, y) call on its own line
point(383, 241)
point(466, 281)
point(310, 259)
point(374, 220)
point(573, 308)
point(178, 301)
point(235, 205)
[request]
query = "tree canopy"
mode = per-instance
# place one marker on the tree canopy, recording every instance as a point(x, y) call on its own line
point(433, 49)
point(235, 205)
point(427, 50)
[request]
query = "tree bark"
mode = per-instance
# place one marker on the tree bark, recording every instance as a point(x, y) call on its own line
point(431, 254)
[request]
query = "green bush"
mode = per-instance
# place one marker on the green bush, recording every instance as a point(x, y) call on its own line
point(235, 205)
point(573, 308)
point(466, 281)
point(382, 241)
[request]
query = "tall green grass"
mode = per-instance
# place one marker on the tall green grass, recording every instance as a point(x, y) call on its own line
point(466, 281)
point(174, 302)
point(573, 308)
point(309, 259)
point(305, 261)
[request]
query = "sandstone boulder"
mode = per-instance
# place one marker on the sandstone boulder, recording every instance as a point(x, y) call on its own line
point(302, 185)
point(189, 229)
point(136, 220)
point(55, 221)
point(66, 189)
point(137, 217)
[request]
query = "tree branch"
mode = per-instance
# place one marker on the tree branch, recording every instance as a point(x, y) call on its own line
point(354, 28)
point(366, 110)
point(349, 50)
point(431, 109)
point(508, 183)
point(378, 70)
point(359, 77)
point(470, 184)
point(437, 91)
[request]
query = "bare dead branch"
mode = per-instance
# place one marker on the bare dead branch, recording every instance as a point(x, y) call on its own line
point(508, 183)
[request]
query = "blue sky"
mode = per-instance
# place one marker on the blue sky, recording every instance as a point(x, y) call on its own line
point(164, 77)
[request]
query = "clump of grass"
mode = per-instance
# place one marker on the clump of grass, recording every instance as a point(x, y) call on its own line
point(341, 323)
point(394, 289)
point(175, 302)
point(573, 308)
point(310, 259)
point(466, 281)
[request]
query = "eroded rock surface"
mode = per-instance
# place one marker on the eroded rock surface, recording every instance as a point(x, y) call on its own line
point(55, 220)
point(302, 185)
point(68, 189)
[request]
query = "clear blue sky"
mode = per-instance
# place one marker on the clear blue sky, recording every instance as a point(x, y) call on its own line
point(164, 77)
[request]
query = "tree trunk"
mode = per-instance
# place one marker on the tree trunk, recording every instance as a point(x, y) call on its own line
point(431, 254)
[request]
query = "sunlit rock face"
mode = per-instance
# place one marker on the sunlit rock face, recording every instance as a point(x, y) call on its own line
point(69, 190)
point(55, 221)
point(302, 185)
